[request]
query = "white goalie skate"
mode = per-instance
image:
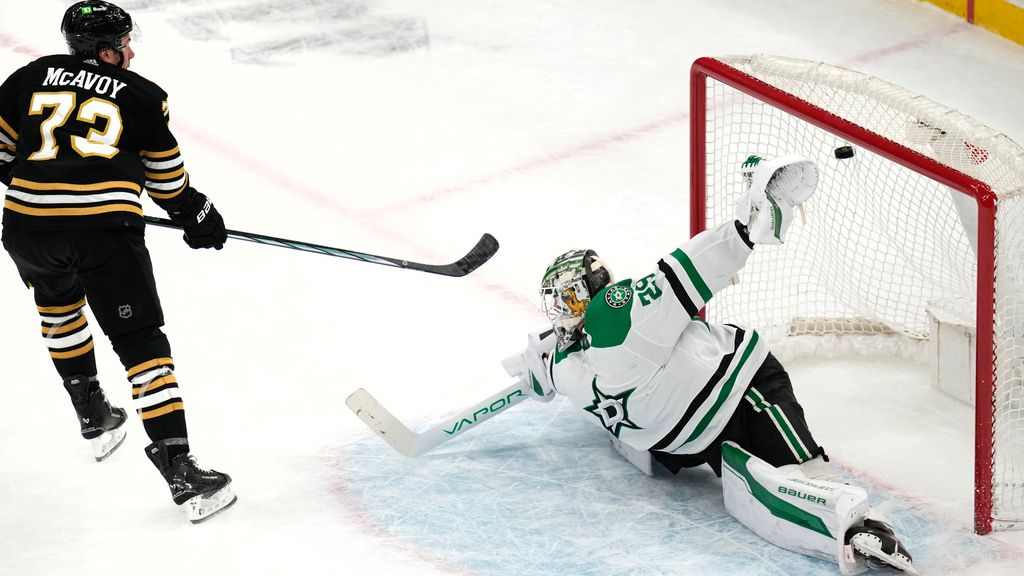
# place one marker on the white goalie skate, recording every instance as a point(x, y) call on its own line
point(200, 508)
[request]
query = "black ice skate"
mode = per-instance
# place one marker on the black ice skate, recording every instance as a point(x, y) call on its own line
point(203, 492)
point(876, 543)
point(102, 424)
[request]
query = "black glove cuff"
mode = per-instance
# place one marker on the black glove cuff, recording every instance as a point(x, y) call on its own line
point(186, 216)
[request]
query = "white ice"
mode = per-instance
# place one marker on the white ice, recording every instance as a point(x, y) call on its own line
point(409, 128)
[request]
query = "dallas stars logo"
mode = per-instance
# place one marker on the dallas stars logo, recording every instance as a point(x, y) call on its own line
point(611, 410)
point(617, 296)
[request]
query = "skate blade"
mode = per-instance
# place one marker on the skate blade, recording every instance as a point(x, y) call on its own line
point(199, 509)
point(105, 444)
point(872, 548)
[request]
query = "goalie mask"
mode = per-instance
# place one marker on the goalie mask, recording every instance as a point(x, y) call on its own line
point(568, 285)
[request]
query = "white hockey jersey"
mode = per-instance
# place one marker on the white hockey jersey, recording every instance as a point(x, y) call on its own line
point(647, 369)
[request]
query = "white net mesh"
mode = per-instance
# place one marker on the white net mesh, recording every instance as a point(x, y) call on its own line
point(880, 241)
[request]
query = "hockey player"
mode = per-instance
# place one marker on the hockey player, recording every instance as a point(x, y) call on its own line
point(668, 387)
point(81, 137)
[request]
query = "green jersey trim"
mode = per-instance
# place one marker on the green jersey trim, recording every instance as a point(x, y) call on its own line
point(694, 276)
point(723, 394)
point(608, 326)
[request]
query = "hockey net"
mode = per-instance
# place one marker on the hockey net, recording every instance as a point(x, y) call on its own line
point(927, 214)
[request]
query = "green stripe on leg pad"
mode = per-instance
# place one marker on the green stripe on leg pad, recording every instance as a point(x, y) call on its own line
point(736, 460)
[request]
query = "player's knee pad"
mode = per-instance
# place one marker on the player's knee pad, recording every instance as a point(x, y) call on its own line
point(783, 506)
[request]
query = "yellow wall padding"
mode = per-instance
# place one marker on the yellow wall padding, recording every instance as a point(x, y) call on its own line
point(958, 7)
point(1002, 17)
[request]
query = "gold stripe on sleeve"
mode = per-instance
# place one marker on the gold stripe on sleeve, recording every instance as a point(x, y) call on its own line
point(164, 154)
point(7, 128)
point(165, 175)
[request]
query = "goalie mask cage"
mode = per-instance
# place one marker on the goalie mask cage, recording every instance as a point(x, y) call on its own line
point(927, 212)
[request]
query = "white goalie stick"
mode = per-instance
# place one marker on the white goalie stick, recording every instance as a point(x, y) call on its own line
point(409, 443)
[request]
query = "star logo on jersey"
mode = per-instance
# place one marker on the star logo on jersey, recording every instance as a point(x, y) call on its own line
point(611, 409)
point(617, 296)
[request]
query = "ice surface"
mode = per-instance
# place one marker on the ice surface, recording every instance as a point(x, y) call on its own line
point(409, 128)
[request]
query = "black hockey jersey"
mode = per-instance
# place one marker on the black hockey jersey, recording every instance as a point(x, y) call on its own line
point(79, 141)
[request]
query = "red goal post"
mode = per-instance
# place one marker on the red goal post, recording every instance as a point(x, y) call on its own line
point(908, 152)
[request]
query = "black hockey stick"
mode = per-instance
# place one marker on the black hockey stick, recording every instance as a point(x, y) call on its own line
point(482, 252)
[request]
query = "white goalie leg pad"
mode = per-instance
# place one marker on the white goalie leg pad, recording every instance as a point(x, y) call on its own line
point(783, 506)
point(817, 469)
point(640, 458)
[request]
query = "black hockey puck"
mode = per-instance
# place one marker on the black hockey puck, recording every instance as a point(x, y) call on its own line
point(844, 152)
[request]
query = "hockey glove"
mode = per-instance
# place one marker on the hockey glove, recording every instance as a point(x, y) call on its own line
point(776, 186)
point(531, 365)
point(203, 225)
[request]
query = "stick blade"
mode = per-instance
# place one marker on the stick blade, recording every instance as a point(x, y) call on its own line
point(486, 247)
point(382, 422)
point(482, 252)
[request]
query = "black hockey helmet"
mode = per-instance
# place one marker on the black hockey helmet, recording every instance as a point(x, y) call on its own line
point(92, 26)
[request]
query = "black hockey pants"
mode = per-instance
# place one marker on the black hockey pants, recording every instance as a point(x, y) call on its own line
point(112, 271)
point(769, 423)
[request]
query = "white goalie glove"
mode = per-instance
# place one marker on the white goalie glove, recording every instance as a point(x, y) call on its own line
point(531, 365)
point(774, 188)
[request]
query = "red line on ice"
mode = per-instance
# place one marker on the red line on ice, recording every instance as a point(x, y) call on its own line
point(592, 145)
